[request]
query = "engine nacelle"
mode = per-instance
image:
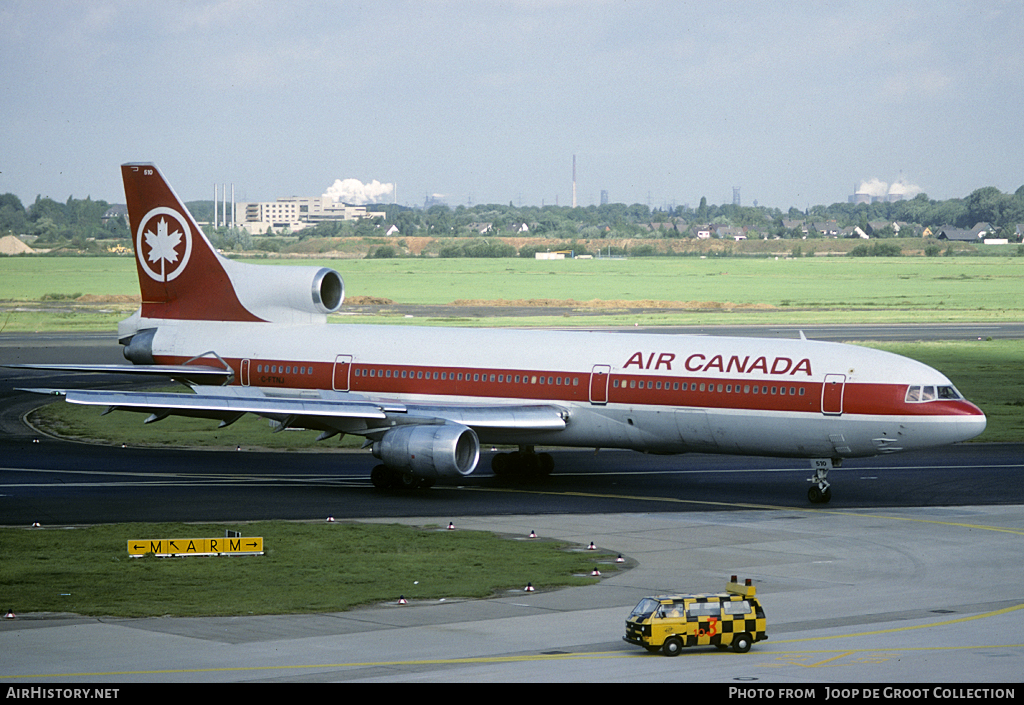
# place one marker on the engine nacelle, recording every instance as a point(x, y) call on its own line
point(287, 294)
point(431, 450)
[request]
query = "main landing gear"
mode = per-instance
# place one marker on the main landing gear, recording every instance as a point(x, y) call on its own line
point(385, 478)
point(522, 463)
point(821, 491)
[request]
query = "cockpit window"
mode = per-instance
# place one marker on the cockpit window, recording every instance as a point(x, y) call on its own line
point(927, 392)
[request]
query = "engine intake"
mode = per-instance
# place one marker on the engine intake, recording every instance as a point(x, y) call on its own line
point(431, 451)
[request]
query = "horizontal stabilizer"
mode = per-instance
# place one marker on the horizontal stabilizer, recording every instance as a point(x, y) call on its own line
point(199, 374)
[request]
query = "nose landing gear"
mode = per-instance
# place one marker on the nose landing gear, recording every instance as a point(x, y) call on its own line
point(821, 491)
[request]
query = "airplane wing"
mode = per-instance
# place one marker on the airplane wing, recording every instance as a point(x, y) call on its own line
point(330, 412)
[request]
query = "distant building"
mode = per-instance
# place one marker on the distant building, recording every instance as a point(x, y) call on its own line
point(296, 213)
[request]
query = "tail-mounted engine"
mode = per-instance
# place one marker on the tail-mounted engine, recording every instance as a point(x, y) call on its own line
point(430, 450)
point(287, 294)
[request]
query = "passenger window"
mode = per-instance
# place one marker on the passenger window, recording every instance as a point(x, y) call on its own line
point(703, 610)
point(673, 611)
point(736, 607)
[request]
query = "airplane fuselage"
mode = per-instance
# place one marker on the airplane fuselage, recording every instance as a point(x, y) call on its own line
point(648, 392)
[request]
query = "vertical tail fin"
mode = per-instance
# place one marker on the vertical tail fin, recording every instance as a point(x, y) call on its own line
point(180, 274)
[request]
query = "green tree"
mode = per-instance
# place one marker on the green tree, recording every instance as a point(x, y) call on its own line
point(702, 210)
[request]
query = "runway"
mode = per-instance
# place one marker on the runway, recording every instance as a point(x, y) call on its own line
point(909, 575)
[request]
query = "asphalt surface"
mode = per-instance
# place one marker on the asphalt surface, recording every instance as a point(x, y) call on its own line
point(906, 576)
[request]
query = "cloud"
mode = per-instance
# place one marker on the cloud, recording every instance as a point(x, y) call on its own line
point(355, 192)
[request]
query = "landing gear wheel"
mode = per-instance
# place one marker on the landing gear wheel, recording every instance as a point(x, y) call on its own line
point(500, 464)
point(672, 646)
point(741, 643)
point(522, 464)
point(380, 476)
point(817, 496)
point(385, 478)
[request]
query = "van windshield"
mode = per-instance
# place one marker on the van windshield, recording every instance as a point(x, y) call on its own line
point(645, 607)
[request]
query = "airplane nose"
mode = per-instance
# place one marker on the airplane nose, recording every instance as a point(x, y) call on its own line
point(969, 427)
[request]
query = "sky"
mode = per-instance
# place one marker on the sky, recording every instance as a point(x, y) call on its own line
point(479, 101)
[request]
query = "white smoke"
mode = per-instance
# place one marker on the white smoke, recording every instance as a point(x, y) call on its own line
point(356, 193)
point(877, 188)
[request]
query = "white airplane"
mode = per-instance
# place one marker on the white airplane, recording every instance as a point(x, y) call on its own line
point(254, 339)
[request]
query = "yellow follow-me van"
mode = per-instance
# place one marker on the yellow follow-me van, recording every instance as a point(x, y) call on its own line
point(733, 618)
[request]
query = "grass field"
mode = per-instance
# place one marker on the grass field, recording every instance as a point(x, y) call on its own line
point(307, 568)
point(736, 290)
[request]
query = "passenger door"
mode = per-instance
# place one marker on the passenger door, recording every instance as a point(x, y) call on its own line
point(600, 376)
point(342, 370)
point(832, 395)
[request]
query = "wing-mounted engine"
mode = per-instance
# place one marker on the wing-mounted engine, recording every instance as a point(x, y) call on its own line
point(429, 451)
point(286, 294)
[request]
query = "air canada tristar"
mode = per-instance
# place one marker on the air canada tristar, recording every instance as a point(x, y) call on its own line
point(254, 339)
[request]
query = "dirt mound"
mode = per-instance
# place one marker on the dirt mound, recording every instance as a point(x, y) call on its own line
point(108, 299)
point(614, 304)
point(10, 245)
point(368, 301)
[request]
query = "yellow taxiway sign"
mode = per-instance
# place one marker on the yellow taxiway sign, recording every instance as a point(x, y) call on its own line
point(251, 545)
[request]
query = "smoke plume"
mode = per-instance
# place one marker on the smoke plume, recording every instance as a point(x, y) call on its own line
point(356, 193)
point(880, 189)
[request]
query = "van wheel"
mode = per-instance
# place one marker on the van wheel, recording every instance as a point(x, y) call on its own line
point(741, 643)
point(672, 646)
